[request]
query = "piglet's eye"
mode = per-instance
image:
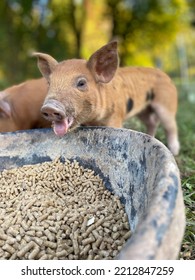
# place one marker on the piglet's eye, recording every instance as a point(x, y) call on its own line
point(82, 84)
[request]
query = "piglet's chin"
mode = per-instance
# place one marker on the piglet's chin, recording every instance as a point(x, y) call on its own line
point(61, 128)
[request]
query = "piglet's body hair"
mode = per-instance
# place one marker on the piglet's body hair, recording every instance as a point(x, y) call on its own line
point(20, 106)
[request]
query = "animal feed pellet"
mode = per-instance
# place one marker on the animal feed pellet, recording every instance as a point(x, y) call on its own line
point(59, 210)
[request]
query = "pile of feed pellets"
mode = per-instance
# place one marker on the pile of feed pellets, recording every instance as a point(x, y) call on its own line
point(59, 210)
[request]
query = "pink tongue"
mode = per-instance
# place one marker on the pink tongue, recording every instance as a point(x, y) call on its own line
point(61, 128)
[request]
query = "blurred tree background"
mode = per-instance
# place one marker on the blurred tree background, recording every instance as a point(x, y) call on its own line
point(150, 33)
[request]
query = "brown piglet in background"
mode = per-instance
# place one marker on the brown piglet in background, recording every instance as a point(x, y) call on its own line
point(20, 106)
point(100, 93)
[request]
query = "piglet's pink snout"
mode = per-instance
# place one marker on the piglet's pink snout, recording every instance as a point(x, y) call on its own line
point(53, 110)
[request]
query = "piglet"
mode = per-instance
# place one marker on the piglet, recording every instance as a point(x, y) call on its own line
point(20, 106)
point(98, 92)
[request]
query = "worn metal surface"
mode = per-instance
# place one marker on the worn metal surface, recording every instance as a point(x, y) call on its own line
point(135, 166)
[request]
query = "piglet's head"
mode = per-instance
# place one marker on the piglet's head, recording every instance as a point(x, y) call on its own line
point(73, 86)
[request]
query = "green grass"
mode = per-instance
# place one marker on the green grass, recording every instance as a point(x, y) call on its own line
point(186, 164)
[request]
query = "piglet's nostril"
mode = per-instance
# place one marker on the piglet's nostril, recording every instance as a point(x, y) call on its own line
point(57, 114)
point(45, 114)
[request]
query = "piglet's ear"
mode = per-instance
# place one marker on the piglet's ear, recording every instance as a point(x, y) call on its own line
point(5, 109)
point(46, 64)
point(104, 62)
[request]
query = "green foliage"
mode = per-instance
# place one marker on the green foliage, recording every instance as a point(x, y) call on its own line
point(63, 28)
point(26, 26)
point(146, 25)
